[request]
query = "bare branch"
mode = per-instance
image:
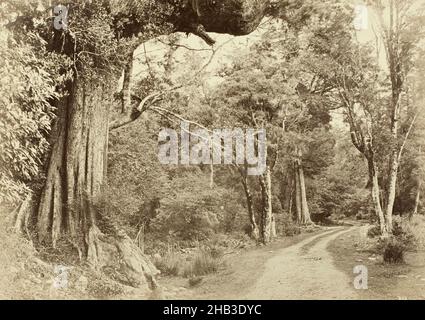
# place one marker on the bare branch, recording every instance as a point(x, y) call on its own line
point(406, 137)
point(130, 116)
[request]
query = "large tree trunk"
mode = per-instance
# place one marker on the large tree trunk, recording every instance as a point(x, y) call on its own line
point(77, 168)
point(71, 206)
point(267, 224)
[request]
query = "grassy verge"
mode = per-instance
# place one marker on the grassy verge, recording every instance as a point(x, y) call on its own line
point(202, 262)
point(235, 275)
point(386, 281)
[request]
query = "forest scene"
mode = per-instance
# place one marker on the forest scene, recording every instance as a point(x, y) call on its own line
point(198, 149)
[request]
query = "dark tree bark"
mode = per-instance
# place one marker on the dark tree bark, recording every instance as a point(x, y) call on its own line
point(77, 168)
point(71, 205)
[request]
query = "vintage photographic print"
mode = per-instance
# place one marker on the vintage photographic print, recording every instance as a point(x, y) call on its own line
point(192, 150)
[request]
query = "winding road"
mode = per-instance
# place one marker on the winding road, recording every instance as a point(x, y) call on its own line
point(305, 271)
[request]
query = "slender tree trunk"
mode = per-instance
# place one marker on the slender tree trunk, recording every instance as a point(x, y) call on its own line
point(254, 227)
point(418, 191)
point(273, 227)
point(291, 201)
point(140, 238)
point(23, 215)
point(396, 77)
point(417, 199)
point(375, 192)
point(273, 232)
point(298, 198)
point(395, 163)
point(305, 217)
point(303, 212)
point(287, 190)
point(71, 206)
point(127, 85)
point(211, 172)
point(267, 231)
point(391, 193)
point(254, 232)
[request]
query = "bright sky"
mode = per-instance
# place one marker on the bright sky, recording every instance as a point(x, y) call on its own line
point(226, 45)
point(367, 25)
point(369, 30)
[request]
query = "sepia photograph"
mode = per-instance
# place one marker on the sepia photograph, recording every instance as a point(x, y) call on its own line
point(185, 151)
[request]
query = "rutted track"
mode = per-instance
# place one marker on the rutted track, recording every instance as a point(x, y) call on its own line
point(304, 271)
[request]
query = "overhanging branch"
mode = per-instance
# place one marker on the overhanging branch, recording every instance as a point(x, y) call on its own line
point(132, 115)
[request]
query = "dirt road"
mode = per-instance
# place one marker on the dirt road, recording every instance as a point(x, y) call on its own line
point(304, 271)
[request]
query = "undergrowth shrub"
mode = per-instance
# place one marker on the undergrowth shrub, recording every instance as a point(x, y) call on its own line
point(195, 281)
point(393, 250)
point(374, 231)
point(201, 262)
point(286, 226)
point(205, 262)
point(401, 240)
point(417, 227)
point(169, 264)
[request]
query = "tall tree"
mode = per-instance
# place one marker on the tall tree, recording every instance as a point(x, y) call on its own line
point(401, 26)
point(97, 39)
point(356, 79)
